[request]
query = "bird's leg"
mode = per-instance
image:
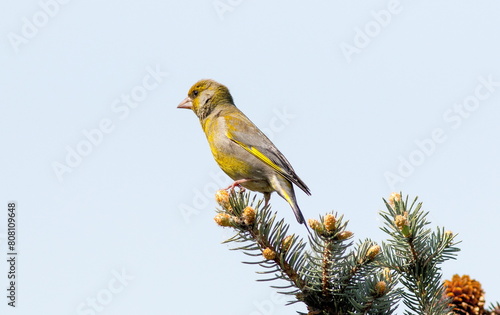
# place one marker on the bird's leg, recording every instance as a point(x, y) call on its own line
point(267, 196)
point(238, 184)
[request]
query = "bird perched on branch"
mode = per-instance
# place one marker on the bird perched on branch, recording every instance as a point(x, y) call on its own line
point(242, 151)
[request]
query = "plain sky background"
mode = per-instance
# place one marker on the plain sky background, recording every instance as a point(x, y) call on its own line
point(349, 93)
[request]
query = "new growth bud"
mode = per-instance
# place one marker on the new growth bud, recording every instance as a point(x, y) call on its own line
point(269, 254)
point(373, 252)
point(380, 288)
point(248, 215)
point(402, 223)
point(394, 198)
point(222, 198)
point(286, 243)
point(344, 235)
point(387, 274)
point(223, 219)
point(315, 225)
point(329, 222)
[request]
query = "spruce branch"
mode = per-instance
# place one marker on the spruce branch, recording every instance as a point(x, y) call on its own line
point(339, 276)
point(334, 277)
point(415, 253)
point(262, 236)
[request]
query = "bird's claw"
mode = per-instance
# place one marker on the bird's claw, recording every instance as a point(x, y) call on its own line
point(236, 184)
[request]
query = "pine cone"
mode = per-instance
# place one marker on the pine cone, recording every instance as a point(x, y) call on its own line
point(466, 295)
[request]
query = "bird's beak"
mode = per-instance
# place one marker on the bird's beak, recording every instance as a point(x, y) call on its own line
point(186, 103)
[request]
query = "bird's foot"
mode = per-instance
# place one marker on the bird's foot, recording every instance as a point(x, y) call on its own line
point(238, 184)
point(267, 196)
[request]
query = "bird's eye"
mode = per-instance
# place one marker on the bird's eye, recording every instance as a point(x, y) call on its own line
point(195, 92)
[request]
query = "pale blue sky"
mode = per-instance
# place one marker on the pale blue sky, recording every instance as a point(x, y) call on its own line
point(363, 99)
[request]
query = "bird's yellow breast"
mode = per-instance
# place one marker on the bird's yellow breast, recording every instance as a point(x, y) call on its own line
point(232, 159)
point(225, 153)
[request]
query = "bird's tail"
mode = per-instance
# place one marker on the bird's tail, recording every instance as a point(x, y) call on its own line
point(299, 216)
point(285, 189)
point(296, 210)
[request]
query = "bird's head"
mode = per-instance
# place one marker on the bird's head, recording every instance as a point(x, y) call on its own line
point(204, 96)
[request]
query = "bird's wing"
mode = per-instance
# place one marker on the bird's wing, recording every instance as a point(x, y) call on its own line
point(244, 133)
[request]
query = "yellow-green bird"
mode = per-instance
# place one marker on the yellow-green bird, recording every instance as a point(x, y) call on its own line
point(242, 151)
